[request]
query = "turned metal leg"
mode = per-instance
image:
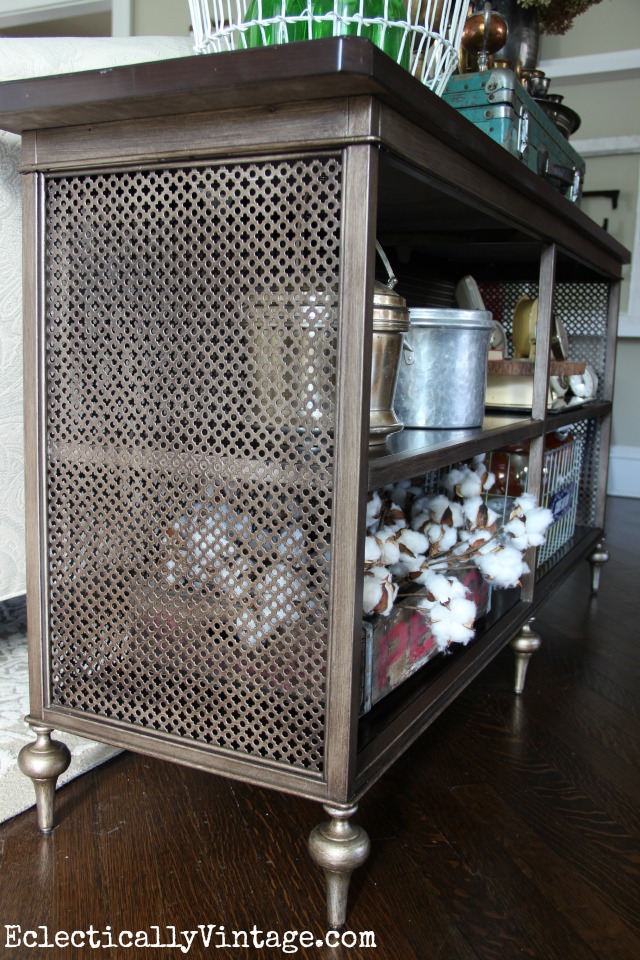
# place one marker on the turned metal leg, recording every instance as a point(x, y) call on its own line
point(44, 761)
point(338, 847)
point(597, 559)
point(523, 645)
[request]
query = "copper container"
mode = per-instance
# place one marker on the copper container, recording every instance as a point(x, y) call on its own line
point(390, 323)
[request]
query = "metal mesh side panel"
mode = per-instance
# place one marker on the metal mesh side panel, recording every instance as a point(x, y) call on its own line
point(190, 368)
point(588, 435)
point(582, 308)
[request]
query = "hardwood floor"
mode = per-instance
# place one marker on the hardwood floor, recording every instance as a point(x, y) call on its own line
point(509, 830)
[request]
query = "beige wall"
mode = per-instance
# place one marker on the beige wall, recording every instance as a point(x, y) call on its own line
point(608, 26)
point(160, 18)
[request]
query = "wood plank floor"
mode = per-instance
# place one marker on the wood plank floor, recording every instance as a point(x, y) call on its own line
point(509, 830)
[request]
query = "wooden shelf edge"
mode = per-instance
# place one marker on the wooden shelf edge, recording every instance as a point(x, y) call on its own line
point(526, 368)
point(398, 464)
point(591, 410)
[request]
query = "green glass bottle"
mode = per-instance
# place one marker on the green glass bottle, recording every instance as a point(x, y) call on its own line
point(275, 33)
point(388, 38)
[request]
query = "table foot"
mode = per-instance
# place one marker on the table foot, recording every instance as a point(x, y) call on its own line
point(597, 559)
point(338, 847)
point(44, 761)
point(524, 645)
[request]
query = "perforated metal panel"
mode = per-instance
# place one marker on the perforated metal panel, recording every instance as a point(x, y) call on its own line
point(588, 435)
point(582, 308)
point(191, 337)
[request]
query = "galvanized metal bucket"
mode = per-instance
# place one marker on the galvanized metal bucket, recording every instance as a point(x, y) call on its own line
point(442, 382)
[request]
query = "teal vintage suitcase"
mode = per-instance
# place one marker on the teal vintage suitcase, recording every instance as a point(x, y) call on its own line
point(496, 102)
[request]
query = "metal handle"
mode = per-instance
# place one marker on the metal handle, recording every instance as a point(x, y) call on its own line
point(391, 282)
point(568, 176)
point(555, 171)
point(558, 172)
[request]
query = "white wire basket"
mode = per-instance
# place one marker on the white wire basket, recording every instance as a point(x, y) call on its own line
point(560, 487)
point(421, 35)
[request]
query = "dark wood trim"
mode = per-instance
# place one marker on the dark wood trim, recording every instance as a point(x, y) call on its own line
point(413, 452)
point(357, 251)
point(178, 750)
point(317, 69)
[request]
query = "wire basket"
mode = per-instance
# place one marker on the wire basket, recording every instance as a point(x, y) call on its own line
point(560, 494)
point(560, 487)
point(421, 35)
point(561, 473)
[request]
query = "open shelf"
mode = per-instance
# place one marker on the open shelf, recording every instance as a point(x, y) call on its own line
point(394, 722)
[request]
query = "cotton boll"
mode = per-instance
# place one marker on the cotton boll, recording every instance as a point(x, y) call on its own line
point(492, 518)
point(434, 533)
point(479, 515)
point(407, 567)
point(441, 634)
point(420, 505)
point(473, 539)
point(442, 539)
point(372, 595)
point(517, 532)
point(537, 523)
point(455, 632)
point(425, 605)
point(469, 486)
point(393, 516)
point(489, 481)
point(390, 549)
point(374, 508)
point(401, 492)
point(421, 521)
point(503, 566)
point(457, 514)
point(412, 542)
point(440, 587)
point(463, 610)
point(437, 506)
point(372, 550)
point(451, 480)
point(470, 508)
point(526, 502)
point(446, 628)
point(449, 539)
point(529, 529)
point(379, 592)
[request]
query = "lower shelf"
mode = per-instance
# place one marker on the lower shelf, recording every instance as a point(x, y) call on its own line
point(394, 723)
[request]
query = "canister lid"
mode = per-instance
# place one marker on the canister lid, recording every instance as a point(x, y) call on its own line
point(447, 317)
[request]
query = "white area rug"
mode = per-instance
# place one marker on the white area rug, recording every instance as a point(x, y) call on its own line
point(16, 790)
